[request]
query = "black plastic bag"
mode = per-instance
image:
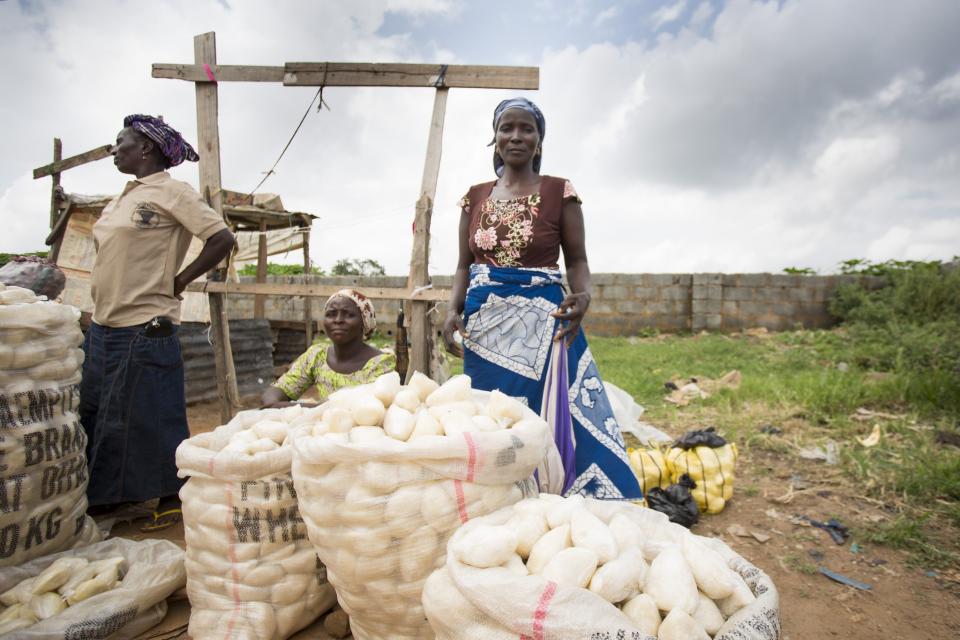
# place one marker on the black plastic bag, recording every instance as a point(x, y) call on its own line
point(700, 438)
point(676, 502)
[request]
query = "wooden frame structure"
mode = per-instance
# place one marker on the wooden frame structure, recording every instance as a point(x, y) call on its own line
point(205, 73)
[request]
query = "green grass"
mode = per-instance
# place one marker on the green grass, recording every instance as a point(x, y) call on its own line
point(796, 381)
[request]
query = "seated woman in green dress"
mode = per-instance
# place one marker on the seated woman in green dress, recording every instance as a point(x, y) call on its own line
point(348, 320)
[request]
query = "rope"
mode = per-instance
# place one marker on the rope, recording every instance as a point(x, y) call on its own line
point(318, 94)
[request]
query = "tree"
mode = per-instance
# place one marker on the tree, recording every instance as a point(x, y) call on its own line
point(357, 267)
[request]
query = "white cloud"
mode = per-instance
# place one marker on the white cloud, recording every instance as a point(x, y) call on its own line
point(606, 15)
point(667, 13)
point(852, 162)
point(701, 15)
point(789, 134)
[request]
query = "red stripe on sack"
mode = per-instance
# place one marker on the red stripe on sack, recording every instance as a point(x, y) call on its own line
point(541, 612)
point(461, 501)
point(471, 456)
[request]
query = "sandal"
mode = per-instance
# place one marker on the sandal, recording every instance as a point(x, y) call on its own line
point(163, 520)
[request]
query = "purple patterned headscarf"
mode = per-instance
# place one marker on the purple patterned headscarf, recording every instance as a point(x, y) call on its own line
point(171, 143)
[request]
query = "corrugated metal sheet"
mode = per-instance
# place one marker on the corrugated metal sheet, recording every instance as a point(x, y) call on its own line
point(252, 344)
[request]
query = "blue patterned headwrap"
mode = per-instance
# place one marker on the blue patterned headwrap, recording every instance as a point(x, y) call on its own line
point(532, 109)
point(170, 142)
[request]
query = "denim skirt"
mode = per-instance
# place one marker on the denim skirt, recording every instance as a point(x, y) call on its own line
point(134, 410)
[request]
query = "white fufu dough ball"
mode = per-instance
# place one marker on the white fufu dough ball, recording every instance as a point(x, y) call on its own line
point(398, 423)
point(466, 407)
point(708, 615)
point(560, 514)
point(530, 526)
point(670, 582)
point(627, 534)
point(407, 399)
point(456, 389)
point(422, 385)
point(339, 419)
point(272, 429)
point(552, 543)
point(426, 425)
point(486, 546)
point(486, 423)
point(741, 597)
point(714, 577)
point(291, 413)
point(643, 612)
point(502, 407)
point(456, 423)
point(619, 579)
point(366, 434)
point(588, 532)
point(678, 625)
point(386, 387)
point(366, 410)
point(572, 567)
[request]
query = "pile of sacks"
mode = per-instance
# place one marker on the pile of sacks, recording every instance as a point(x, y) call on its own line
point(386, 473)
point(575, 568)
point(43, 488)
point(251, 571)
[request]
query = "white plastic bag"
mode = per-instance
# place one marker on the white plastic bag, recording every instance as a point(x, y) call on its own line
point(154, 569)
point(380, 512)
point(251, 571)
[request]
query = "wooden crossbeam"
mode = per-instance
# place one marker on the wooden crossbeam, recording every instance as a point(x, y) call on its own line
point(222, 72)
point(73, 161)
point(356, 74)
point(317, 290)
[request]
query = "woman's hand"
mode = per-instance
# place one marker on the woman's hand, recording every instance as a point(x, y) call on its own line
point(178, 286)
point(453, 323)
point(570, 313)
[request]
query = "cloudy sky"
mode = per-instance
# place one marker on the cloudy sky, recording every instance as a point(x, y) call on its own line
point(702, 135)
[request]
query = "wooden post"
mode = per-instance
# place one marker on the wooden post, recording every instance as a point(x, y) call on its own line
point(57, 157)
point(208, 134)
point(259, 301)
point(307, 301)
point(421, 332)
point(54, 211)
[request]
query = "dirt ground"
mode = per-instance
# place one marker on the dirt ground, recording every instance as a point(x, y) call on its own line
point(903, 602)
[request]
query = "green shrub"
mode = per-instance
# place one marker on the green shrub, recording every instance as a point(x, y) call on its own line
point(274, 269)
point(909, 326)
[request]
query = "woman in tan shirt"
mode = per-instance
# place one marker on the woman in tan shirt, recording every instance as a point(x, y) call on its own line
point(132, 401)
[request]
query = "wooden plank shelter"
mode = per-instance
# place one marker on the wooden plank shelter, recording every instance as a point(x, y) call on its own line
point(205, 73)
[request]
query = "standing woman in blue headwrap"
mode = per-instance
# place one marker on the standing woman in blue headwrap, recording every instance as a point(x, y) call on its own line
point(132, 400)
point(521, 329)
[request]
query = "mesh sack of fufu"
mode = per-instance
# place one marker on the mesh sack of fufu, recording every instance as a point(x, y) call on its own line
point(386, 473)
point(571, 568)
point(251, 571)
point(43, 464)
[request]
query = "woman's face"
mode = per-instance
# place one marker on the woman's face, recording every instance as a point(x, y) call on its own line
point(517, 137)
point(128, 150)
point(342, 321)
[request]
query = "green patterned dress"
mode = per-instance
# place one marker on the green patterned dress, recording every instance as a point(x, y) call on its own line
point(311, 368)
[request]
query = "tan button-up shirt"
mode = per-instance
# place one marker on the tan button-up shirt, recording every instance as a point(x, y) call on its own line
point(141, 238)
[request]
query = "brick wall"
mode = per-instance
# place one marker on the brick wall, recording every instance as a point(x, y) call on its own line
point(628, 304)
